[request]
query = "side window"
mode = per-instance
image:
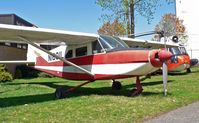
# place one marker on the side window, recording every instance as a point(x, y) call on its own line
point(69, 54)
point(96, 47)
point(82, 51)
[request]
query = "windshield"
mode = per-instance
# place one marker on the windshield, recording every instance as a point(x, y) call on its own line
point(109, 42)
point(183, 50)
point(175, 51)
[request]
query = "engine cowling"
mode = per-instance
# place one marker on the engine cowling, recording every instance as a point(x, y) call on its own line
point(157, 57)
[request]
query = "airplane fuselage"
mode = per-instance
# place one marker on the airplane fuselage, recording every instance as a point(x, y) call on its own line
point(110, 65)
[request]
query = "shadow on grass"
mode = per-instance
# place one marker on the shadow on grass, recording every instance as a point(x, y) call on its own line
point(178, 73)
point(183, 73)
point(83, 91)
point(48, 84)
point(23, 100)
point(154, 83)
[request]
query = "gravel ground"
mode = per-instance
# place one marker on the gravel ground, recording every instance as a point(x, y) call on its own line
point(187, 114)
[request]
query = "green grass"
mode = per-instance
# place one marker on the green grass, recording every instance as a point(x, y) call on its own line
point(32, 100)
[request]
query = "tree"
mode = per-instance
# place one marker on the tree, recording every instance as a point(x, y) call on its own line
point(124, 11)
point(114, 29)
point(171, 25)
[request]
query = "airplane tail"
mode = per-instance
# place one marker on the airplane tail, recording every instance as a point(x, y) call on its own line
point(33, 53)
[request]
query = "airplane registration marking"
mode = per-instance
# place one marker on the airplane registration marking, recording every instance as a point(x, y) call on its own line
point(51, 58)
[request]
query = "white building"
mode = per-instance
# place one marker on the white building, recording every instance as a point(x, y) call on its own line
point(188, 11)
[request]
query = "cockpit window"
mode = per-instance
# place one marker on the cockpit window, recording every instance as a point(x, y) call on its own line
point(175, 51)
point(96, 47)
point(109, 42)
point(183, 50)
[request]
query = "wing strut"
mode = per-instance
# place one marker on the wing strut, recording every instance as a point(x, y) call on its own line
point(56, 56)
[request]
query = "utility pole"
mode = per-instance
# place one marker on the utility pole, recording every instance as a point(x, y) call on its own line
point(132, 22)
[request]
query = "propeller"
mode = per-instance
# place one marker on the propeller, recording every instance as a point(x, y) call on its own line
point(164, 66)
point(164, 55)
point(165, 76)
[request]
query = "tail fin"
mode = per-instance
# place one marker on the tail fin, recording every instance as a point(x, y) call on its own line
point(33, 53)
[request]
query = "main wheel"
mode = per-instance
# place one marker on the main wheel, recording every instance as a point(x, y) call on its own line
point(116, 85)
point(60, 93)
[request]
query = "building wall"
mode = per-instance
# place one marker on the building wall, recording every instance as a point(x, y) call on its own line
point(11, 53)
point(6, 19)
point(187, 10)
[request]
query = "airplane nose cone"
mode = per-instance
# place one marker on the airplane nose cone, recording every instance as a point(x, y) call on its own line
point(164, 55)
point(158, 57)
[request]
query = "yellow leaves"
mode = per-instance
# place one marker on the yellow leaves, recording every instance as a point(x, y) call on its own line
point(114, 29)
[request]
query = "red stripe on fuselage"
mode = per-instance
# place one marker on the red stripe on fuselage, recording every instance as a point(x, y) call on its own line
point(117, 57)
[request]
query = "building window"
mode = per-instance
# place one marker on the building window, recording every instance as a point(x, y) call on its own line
point(49, 47)
point(24, 46)
point(8, 44)
point(19, 46)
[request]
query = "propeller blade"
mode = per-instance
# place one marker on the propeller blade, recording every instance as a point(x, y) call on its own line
point(165, 74)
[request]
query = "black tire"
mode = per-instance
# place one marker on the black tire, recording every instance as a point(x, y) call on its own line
point(116, 85)
point(60, 93)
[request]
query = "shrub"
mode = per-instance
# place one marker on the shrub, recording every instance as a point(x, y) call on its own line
point(4, 75)
point(24, 71)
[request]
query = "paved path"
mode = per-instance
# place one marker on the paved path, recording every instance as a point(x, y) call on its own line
point(187, 114)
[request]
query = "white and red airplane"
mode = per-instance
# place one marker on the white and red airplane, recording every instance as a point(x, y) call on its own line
point(83, 56)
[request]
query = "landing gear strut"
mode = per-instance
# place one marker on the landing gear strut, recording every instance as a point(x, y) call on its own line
point(61, 93)
point(139, 89)
point(116, 85)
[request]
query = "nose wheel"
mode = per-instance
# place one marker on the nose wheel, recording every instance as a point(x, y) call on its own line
point(116, 85)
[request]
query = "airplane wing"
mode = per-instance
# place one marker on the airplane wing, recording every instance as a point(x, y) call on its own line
point(41, 35)
point(147, 44)
point(31, 35)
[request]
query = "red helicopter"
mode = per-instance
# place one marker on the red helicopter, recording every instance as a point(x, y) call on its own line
point(179, 61)
point(83, 56)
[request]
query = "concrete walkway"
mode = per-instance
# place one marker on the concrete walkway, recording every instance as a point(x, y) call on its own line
point(187, 114)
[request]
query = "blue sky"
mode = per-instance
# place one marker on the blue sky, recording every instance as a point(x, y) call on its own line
point(73, 15)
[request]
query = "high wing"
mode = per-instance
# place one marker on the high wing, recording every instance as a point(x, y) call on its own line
point(147, 44)
point(31, 35)
point(41, 35)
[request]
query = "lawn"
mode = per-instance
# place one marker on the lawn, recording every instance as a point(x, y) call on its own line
point(32, 100)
